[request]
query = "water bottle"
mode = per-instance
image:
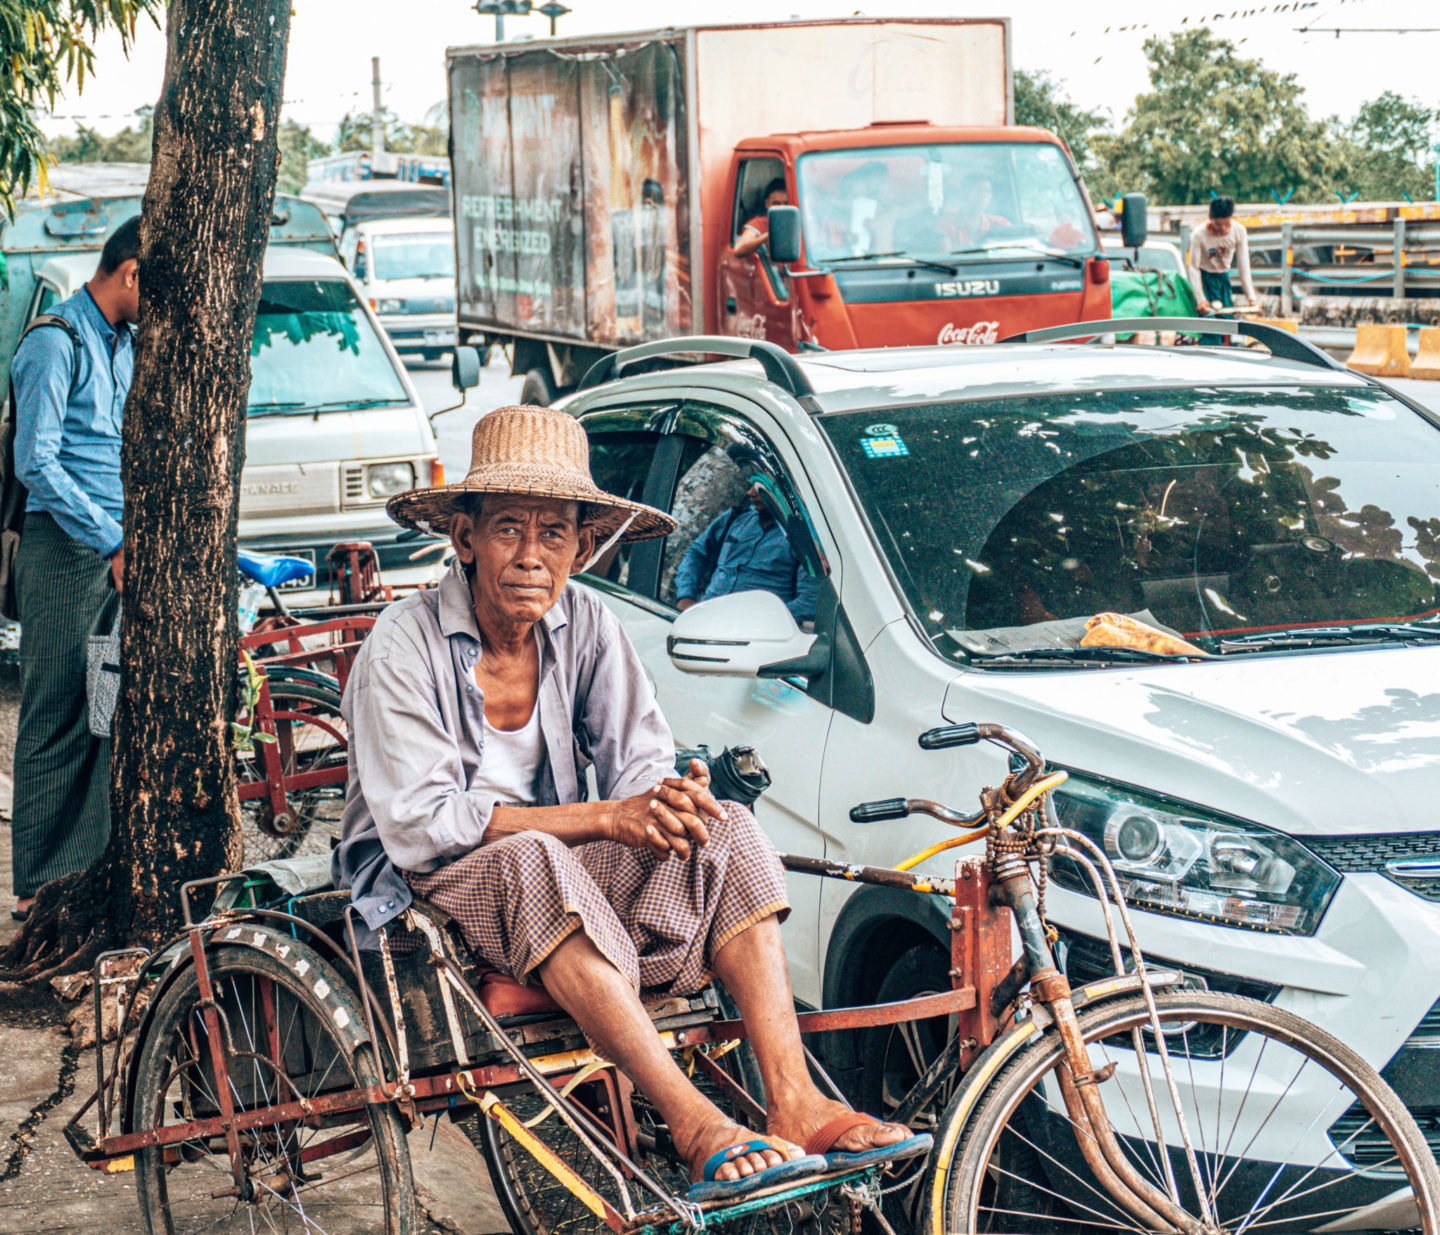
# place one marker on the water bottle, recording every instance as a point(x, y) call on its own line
point(250, 597)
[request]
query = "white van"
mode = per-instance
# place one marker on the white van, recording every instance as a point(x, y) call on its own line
point(406, 268)
point(334, 426)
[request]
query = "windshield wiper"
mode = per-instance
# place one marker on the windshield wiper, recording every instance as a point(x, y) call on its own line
point(1076, 656)
point(276, 406)
point(928, 263)
point(347, 405)
point(1038, 250)
point(1322, 636)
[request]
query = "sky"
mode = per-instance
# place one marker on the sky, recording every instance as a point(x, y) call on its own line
point(1094, 50)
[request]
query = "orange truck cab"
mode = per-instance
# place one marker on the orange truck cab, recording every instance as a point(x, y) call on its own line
point(911, 234)
point(601, 184)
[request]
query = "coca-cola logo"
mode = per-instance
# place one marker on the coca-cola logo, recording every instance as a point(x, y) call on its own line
point(980, 332)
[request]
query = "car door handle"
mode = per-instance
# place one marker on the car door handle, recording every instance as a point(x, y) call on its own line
point(730, 305)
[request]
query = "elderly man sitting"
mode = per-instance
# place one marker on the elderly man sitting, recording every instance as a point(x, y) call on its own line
point(474, 711)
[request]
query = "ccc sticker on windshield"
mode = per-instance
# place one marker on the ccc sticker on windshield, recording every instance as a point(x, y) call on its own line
point(886, 446)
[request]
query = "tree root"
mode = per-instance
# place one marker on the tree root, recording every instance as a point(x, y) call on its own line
point(73, 921)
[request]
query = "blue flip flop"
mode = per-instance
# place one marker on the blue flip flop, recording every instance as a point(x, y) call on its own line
point(823, 1140)
point(711, 1189)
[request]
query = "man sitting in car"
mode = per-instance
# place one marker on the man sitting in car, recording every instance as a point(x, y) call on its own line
point(475, 709)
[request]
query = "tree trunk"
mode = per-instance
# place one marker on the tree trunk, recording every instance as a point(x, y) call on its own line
point(205, 225)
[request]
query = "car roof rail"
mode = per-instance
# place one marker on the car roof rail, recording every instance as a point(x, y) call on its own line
point(1280, 342)
point(780, 367)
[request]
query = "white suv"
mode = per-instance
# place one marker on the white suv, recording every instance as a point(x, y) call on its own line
point(1273, 809)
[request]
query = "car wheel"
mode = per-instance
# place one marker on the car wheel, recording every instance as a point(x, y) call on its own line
point(893, 1058)
point(538, 390)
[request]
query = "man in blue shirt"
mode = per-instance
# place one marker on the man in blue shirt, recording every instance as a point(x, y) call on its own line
point(69, 400)
point(745, 550)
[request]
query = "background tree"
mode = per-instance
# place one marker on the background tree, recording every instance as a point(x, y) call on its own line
point(1041, 100)
point(205, 225)
point(130, 145)
point(1213, 121)
point(428, 137)
point(43, 45)
point(298, 145)
point(1385, 150)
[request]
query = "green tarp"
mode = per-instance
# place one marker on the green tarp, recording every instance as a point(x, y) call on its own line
point(1150, 293)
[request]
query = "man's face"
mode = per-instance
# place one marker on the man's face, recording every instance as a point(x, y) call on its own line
point(777, 198)
point(522, 550)
point(128, 275)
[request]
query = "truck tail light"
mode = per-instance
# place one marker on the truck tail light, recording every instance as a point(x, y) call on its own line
point(1099, 268)
point(437, 473)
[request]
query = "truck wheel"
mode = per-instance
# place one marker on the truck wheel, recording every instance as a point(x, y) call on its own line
point(538, 390)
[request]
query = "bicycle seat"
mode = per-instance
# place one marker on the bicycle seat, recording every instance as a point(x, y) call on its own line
point(272, 571)
point(503, 996)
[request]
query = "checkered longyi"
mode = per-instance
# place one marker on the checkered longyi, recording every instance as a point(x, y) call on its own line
point(659, 920)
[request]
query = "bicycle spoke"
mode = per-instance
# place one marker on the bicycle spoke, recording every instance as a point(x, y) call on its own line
point(1153, 1169)
point(1084, 1183)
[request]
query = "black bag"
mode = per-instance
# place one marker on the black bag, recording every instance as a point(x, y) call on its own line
point(12, 492)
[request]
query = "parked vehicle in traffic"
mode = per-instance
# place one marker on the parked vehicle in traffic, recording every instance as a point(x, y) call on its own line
point(601, 183)
point(1266, 802)
point(406, 270)
point(334, 425)
point(348, 203)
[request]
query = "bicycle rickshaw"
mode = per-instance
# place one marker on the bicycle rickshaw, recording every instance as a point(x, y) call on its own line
point(267, 1069)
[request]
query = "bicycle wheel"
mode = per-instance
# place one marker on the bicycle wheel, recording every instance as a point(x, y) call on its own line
point(1292, 1130)
point(310, 736)
point(343, 1174)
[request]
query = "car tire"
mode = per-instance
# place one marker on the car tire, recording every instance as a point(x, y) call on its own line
point(538, 390)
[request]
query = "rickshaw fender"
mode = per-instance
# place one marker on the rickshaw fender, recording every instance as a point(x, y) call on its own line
point(303, 961)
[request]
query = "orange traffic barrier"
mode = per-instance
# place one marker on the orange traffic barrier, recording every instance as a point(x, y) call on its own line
point(1287, 324)
point(1380, 351)
point(1427, 361)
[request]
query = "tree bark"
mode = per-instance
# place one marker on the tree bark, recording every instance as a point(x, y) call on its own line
point(205, 225)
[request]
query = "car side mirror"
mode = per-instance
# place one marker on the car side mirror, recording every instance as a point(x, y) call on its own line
point(1134, 226)
point(465, 368)
point(784, 240)
point(745, 634)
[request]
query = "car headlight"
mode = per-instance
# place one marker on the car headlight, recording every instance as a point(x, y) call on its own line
point(387, 479)
point(1171, 857)
point(389, 306)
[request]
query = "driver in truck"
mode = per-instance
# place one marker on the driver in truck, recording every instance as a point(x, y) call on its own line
point(475, 710)
point(757, 230)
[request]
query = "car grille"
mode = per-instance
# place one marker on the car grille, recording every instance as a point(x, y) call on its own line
point(1410, 859)
point(1419, 1061)
point(427, 304)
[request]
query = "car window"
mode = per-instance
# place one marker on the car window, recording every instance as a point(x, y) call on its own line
point(1215, 512)
point(741, 522)
point(620, 461)
point(46, 296)
point(424, 255)
point(313, 347)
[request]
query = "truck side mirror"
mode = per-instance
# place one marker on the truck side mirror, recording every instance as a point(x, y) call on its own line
point(465, 368)
point(784, 227)
point(1134, 226)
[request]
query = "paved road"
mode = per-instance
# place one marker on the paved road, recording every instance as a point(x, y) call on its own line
point(452, 430)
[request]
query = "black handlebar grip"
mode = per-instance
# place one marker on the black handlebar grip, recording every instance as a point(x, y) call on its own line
point(947, 736)
point(878, 812)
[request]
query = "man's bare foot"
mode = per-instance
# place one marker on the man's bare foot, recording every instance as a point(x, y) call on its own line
point(800, 1123)
point(698, 1143)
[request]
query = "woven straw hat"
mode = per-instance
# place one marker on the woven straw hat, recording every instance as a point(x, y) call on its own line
point(534, 452)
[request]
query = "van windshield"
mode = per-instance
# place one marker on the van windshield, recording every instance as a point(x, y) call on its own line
point(313, 348)
point(962, 199)
point(1235, 517)
point(422, 256)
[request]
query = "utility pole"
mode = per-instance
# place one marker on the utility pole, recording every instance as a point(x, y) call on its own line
point(377, 121)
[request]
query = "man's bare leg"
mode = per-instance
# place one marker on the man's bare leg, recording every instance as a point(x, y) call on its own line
point(580, 979)
point(756, 975)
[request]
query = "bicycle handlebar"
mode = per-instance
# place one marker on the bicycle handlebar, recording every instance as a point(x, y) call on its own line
point(879, 812)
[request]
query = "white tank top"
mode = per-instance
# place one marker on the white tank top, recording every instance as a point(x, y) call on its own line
point(510, 763)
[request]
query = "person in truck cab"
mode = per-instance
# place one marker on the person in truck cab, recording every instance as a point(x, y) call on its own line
point(757, 230)
point(475, 711)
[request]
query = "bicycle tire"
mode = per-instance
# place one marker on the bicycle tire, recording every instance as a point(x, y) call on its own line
point(173, 1083)
point(312, 713)
point(972, 1188)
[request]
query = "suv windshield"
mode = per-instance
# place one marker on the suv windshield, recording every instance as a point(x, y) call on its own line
point(1227, 515)
point(962, 199)
point(314, 347)
point(421, 256)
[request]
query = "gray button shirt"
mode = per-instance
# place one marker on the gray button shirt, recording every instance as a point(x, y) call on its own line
point(417, 734)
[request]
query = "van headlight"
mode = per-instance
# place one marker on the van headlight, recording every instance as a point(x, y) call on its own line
point(1171, 857)
point(388, 479)
point(389, 306)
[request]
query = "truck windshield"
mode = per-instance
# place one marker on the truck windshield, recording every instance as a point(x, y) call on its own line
point(422, 256)
point(1239, 518)
point(963, 199)
point(313, 347)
